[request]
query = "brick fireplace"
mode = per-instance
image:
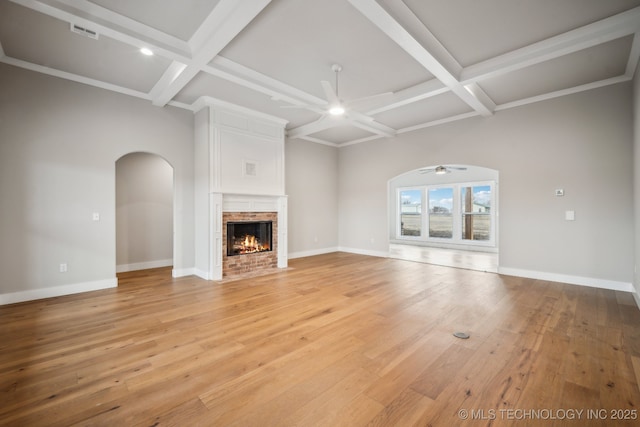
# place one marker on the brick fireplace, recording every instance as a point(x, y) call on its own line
point(255, 261)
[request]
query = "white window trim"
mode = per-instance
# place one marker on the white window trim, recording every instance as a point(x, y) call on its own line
point(399, 213)
point(456, 240)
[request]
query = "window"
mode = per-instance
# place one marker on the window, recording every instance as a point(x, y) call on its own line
point(441, 212)
point(476, 212)
point(410, 212)
point(460, 213)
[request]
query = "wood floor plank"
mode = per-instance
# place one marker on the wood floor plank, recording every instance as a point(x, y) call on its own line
point(278, 411)
point(337, 339)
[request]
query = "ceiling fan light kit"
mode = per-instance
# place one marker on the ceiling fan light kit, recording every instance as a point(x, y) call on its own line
point(441, 170)
point(336, 110)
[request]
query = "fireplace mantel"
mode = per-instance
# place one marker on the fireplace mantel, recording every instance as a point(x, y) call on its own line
point(239, 167)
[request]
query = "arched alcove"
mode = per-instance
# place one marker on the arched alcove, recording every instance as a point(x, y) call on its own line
point(144, 212)
point(447, 218)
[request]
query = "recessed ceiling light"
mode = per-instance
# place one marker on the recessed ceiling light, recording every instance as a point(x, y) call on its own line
point(146, 51)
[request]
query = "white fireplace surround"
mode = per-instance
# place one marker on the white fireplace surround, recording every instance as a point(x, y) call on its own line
point(245, 203)
point(239, 167)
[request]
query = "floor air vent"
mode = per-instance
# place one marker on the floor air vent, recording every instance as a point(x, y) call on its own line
point(75, 28)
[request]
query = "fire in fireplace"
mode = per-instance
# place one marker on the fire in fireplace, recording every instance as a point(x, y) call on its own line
point(248, 237)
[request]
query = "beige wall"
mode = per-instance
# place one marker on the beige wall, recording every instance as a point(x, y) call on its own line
point(59, 142)
point(581, 143)
point(312, 187)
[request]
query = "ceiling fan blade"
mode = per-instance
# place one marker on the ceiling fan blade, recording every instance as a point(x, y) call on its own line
point(329, 93)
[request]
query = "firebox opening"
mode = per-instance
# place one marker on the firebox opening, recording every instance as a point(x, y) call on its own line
point(248, 237)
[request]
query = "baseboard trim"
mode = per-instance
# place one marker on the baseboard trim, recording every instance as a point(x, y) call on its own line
point(123, 268)
point(182, 272)
point(380, 254)
point(636, 297)
point(572, 280)
point(313, 252)
point(57, 291)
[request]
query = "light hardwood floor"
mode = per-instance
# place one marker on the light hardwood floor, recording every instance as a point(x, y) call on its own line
point(337, 339)
point(471, 260)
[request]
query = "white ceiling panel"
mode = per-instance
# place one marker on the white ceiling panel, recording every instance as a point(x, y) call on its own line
point(437, 60)
point(473, 31)
point(342, 133)
point(590, 65)
point(296, 42)
point(177, 18)
point(425, 111)
point(39, 39)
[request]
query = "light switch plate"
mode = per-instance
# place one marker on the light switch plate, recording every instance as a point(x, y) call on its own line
point(570, 215)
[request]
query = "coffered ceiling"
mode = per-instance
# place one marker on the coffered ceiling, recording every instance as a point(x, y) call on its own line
point(430, 61)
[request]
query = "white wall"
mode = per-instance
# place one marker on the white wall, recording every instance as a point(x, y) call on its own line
point(59, 142)
point(144, 212)
point(312, 187)
point(581, 143)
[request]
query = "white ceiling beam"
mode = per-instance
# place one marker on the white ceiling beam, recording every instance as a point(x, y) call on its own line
point(563, 92)
point(396, 32)
point(410, 95)
point(439, 122)
point(367, 123)
point(360, 140)
point(107, 28)
point(245, 76)
point(319, 141)
point(608, 29)
point(319, 125)
point(634, 56)
point(173, 71)
point(374, 127)
point(225, 22)
point(73, 77)
point(414, 26)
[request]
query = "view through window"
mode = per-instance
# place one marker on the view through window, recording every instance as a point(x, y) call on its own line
point(411, 212)
point(456, 213)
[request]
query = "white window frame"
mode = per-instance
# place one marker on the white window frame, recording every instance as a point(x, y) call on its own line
point(399, 213)
point(492, 215)
point(456, 239)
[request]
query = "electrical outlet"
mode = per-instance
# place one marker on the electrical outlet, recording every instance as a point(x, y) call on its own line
point(96, 216)
point(63, 268)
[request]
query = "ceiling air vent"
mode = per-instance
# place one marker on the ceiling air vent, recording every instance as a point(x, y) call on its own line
point(75, 28)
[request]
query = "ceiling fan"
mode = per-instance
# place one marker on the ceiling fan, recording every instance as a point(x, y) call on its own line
point(441, 170)
point(336, 106)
